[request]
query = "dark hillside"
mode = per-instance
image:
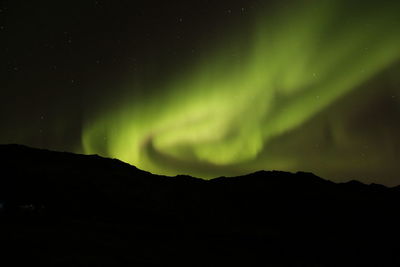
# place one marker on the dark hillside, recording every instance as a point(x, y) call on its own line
point(73, 210)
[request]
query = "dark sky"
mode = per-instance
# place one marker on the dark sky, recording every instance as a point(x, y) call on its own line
point(63, 58)
point(207, 88)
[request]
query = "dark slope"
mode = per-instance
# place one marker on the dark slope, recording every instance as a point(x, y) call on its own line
point(73, 210)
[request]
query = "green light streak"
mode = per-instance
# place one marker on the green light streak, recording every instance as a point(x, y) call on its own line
point(227, 109)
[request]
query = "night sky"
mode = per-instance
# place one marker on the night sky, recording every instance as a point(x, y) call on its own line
point(207, 88)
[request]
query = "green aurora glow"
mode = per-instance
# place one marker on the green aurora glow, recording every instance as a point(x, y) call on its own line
point(243, 106)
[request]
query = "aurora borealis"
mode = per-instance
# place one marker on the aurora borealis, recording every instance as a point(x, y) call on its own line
point(309, 85)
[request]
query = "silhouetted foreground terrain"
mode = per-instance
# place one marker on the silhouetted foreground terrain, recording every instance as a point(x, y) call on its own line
point(63, 209)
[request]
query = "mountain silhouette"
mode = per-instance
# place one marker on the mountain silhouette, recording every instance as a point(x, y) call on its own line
point(65, 209)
